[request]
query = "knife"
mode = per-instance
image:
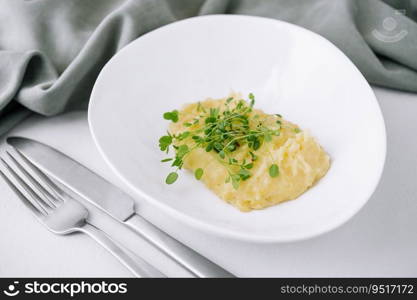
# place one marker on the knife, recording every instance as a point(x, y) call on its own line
point(112, 201)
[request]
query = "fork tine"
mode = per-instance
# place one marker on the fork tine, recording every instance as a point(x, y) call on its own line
point(34, 197)
point(48, 197)
point(54, 189)
point(22, 197)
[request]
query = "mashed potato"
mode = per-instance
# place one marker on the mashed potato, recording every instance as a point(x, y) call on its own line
point(301, 161)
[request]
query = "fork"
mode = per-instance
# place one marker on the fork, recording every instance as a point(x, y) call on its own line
point(62, 214)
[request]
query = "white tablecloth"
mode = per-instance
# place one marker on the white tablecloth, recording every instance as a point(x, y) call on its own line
point(381, 240)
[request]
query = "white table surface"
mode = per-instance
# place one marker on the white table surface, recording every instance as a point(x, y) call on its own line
point(381, 240)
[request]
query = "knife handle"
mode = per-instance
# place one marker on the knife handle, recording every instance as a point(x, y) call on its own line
point(134, 263)
point(185, 256)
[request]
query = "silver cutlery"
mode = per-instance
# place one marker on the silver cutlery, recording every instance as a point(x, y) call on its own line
point(63, 215)
point(105, 196)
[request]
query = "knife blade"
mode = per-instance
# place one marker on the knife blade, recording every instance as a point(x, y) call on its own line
point(112, 201)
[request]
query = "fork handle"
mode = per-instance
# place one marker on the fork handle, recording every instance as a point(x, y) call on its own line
point(134, 263)
point(185, 256)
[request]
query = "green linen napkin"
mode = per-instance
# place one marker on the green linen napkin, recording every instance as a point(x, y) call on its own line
point(51, 51)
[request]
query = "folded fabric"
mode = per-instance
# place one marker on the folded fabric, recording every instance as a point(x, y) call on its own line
point(51, 51)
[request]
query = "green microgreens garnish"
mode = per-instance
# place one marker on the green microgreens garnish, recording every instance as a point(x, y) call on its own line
point(198, 173)
point(172, 115)
point(164, 142)
point(171, 178)
point(273, 170)
point(221, 132)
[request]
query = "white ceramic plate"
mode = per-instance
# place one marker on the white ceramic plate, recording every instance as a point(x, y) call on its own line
point(291, 71)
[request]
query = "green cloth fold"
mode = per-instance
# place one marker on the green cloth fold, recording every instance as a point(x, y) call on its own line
point(51, 51)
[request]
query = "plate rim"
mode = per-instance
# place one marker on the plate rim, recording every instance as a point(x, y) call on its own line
point(229, 233)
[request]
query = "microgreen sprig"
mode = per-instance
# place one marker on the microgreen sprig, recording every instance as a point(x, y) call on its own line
point(221, 131)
